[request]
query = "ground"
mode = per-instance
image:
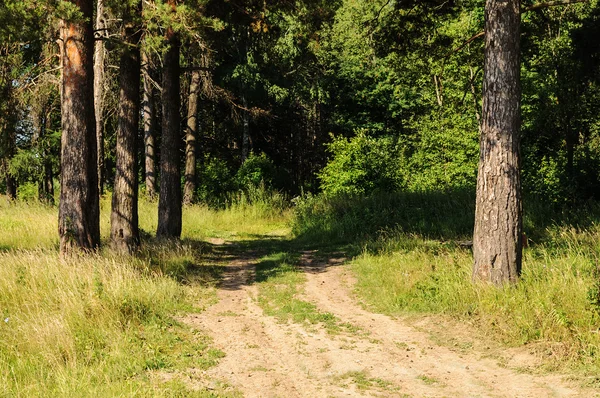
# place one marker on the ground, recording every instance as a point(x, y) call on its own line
point(369, 355)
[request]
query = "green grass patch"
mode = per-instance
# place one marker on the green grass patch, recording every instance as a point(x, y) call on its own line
point(280, 283)
point(363, 381)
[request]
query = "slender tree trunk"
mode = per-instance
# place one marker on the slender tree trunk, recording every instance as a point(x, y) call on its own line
point(497, 244)
point(79, 211)
point(124, 229)
point(149, 130)
point(40, 124)
point(190, 140)
point(99, 55)
point(48, 182)
point(246, 140)
point(245, 129)
point(169, 200)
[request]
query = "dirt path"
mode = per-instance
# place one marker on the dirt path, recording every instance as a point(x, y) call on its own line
point(386, 358)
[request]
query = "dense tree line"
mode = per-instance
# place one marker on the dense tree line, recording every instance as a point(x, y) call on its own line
point(189, 100)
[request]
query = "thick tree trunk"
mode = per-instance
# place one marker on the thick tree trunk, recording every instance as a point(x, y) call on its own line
point(149, 131)
point(497, 244)
point(99, 55)
point(169, 200)
point(11, 187)
point(9, 180)
point(79, 211)
point(190, 140)
point(124, 229)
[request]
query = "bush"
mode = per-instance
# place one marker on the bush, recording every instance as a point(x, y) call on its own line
point(215, 181)
point(256, 170)
point(362, 165)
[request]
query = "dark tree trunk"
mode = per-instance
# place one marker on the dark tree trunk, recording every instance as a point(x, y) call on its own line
point(497, 244)
point(149, 131)
point(169, 200)
point(45, 183)
point(124, 229)
point(11, 187)
point(79, 211)
point(245, 129)
point(99, 55)
point(48, 183)
point(9, 180)
point(190, 140)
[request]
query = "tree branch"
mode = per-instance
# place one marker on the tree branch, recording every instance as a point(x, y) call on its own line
point(552, 4)
point(466, 43)
point(530, 8)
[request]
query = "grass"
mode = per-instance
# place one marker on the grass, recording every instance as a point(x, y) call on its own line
point(412, 263)
point(363, 381)
point(106, 324)
point(555, 304)
point(280, 284)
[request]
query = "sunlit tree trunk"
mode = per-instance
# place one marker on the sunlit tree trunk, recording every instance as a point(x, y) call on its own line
point(497, 245)
point(190, 139)
point(124, 230)
point(149, 121)
point(79, 211)
point(99, 55)
point(169, 200)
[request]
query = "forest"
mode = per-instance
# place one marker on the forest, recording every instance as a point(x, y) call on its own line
point(160, 158)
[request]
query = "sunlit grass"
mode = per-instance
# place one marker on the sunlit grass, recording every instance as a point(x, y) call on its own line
point(555, 304)
point(105, 324)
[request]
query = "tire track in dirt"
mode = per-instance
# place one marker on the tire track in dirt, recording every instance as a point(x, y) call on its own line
point(462, 375)
point(385, 358)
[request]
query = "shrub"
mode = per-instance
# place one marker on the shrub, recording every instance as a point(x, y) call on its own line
point(362, 165)
point(256, 170)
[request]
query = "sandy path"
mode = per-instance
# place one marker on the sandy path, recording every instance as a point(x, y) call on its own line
point(265, 358)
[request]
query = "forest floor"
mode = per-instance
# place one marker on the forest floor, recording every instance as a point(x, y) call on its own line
point(351, 351)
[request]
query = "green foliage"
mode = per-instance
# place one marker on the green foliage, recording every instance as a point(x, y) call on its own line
point(256, 170)
point(215, 181)
point(363, 165)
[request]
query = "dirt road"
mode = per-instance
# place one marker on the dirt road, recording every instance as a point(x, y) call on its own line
point(385, 357)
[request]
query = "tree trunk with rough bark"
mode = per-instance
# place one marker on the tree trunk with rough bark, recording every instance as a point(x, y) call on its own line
point(79, 211)
point(169, 199)
point(99, 56)
point(149, 121)
point(497, 243)
point(190, 140)
point(124, 229)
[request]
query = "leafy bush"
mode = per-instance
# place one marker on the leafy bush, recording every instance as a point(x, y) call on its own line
point(256, 170)
point(215, 181)
point(362, 165)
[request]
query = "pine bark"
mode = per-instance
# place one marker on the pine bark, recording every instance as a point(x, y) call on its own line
point(169, 199)
point(79, 211)
point(190, 140)
point(149, 120)
point(99, 56)
point(124, 229)
point(497, 244)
